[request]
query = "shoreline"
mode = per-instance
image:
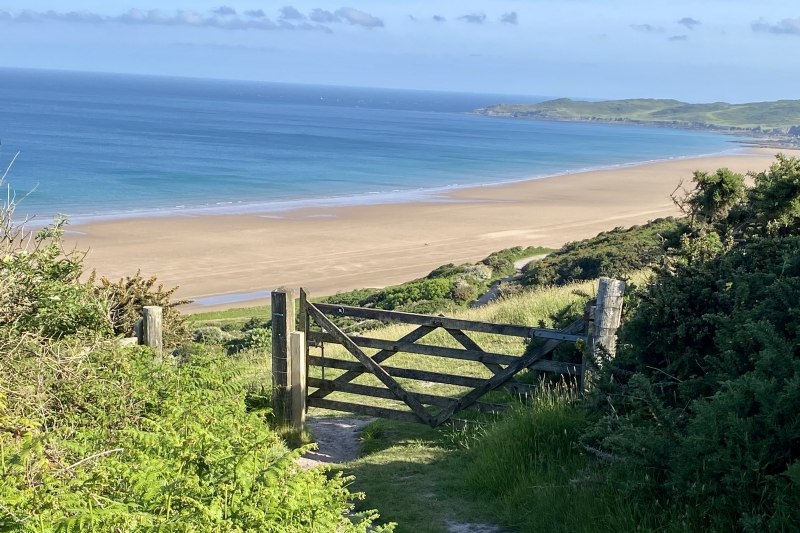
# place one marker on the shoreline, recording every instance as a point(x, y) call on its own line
point(432, 194)
point(238, 258)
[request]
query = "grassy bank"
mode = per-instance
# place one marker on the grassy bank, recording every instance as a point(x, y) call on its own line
point(780, 115)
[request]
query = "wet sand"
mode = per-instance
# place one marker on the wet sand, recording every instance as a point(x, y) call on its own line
point(333, 249)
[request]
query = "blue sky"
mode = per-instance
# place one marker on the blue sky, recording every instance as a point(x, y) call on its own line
point(699, 50)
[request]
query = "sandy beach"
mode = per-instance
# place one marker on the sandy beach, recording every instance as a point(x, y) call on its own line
point(328, 250)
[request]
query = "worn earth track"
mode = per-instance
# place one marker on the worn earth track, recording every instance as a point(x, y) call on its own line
point(338, 442)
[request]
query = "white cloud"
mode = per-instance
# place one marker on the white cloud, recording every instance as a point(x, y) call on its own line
point(689, 22)
point(475, 18)
point(510, 18)
point(785, 26)
point(354, 16)
point(222, 18)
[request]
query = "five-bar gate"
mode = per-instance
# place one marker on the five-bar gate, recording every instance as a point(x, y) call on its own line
point(316, 328)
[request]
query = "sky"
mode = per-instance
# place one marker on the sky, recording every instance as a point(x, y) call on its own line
point(696, 51)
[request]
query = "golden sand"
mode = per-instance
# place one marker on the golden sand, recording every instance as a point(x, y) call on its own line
point(328, 250)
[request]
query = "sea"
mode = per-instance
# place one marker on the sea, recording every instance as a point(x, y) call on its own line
point(93, 145)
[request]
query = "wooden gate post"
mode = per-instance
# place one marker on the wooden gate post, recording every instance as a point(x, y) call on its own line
point(152, 328)
point(297, 346)
point(602, 333)
point(282, 325)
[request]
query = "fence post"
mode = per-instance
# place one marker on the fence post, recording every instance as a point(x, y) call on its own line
point(152, 328)
point(297, 346)
point(606, 318)
point(304, 323)
point(282, 326)
point(588, 331)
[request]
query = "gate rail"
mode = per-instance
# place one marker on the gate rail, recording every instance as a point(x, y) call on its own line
point(291, 358)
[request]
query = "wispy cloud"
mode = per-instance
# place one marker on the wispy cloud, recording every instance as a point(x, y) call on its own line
point(290, 13)
point(346, 14)
point(223, 17)
point(439, 18)
point(224, 10)
point(322, 16)
point(475, 18)
point(647, 28)
point(675, 38)
point(785, 26)
point(354, 16)
point(510, 18)
point(689, 22)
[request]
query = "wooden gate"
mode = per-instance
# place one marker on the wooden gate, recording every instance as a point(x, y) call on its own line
point(316, 329)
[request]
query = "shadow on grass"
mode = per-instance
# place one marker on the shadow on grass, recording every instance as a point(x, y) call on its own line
point(414, 476)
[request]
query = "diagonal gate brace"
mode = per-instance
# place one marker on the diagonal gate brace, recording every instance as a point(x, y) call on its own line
point(372, 366)
point(379, 357)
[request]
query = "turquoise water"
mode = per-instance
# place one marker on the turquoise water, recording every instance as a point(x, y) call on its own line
point(116, 145)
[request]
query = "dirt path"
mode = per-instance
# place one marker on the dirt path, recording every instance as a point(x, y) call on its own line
point(337, 440)
point(494, 291)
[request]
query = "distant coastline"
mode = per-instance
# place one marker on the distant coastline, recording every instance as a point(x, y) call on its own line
point(767, 124)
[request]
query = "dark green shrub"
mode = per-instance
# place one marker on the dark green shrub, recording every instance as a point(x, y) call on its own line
point(705, 388)
point(463, 292)
point(613, 253)
point(445, 271)
point(427, 307)
point(259, 339)
point(425, 289)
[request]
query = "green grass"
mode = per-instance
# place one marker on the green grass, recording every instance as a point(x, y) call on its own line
point(528, 308)
point(231, 317)
point(765, 115)
point(416, 476)
point(522, 470)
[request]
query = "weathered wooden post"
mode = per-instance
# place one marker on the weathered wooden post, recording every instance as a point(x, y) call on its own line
point(282, 325)
point(304, 321)
point(603, 324)
point(588, 331)
point(152, 328)
point(297, 346)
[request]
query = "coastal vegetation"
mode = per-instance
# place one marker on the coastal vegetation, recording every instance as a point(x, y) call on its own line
point(691, 427)
point(97, 436)
point(782, 116)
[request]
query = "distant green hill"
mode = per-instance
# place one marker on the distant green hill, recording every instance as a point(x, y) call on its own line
point(782, 116)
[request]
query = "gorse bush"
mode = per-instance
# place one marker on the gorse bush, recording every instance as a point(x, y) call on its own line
point(705, 388)
point(40, 287)
point(614, 253)
point(126, 298)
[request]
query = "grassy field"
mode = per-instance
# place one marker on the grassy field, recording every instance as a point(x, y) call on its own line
point(517, 470)
point(428, 479)
point(529, 308)
point(765, 115)
point(233, 317)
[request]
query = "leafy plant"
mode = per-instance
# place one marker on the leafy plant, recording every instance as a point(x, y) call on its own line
point(705, 387)
point(126, 297)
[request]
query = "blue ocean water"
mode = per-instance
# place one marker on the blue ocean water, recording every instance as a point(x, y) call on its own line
point(111, 145)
